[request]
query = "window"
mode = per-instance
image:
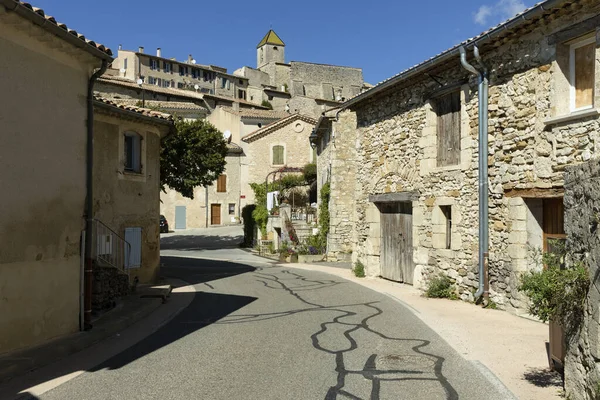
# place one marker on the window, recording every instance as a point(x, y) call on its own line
point(582, 56)
point(278, 155)
point(125, 64)
point(447, 213)
point(231, 208)
point(270, 97)
point(133, 152)
point(241, 82)
point(167, 66)
point(182, 70)
point(194, 73)
point(224, 83)
point(275, 48)
point(153, 64)
point(180, 85)
point(448, 129)
point(222, 183)
point(151, 80)
point(159, 81)
point(241, 94)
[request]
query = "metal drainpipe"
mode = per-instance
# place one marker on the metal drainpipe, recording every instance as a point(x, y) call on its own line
point(89, 200)
point(483, 169)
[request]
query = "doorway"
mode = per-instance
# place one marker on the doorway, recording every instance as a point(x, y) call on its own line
point(215, 214)
point(397, 242)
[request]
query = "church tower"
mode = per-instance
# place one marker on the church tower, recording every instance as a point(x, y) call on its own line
point(270, 49)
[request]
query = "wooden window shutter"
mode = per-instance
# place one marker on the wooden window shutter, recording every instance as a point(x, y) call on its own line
point(448, 129)
point(222, 183)
point(278, 155)
point(585, 57)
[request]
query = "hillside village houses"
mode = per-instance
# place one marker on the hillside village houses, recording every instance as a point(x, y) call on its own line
point(46, 289)
point(402, 158)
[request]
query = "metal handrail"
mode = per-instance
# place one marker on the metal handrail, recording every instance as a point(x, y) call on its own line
point(110, 247)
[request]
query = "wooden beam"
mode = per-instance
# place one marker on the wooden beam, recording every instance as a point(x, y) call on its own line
point(393, 197)
point(535, 193)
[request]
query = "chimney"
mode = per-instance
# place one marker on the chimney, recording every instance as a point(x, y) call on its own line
point(141, 50)
point(190, 59)
point(120, 47)
point(158, 52)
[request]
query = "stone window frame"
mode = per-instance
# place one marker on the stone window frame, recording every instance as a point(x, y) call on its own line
point(561, 103)
point(428, 140)
point(131, 175)
point(438, 225)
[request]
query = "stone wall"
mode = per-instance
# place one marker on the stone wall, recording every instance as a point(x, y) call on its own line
point(110, 285)
point(530, 144)
point(325, 81)
point(582, 210)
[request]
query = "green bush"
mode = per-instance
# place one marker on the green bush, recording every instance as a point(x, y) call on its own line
point(557, 292)
point(266, 103)
point(359, 269)
point(441, 287)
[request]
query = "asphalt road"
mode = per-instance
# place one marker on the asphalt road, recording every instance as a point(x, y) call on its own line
point(258, 331)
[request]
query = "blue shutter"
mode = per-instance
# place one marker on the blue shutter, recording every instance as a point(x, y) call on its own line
point(133, 252)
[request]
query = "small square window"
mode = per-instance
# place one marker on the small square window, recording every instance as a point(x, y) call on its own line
point(231, 208)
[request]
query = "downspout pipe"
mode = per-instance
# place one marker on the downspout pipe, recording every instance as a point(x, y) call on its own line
point(89, 201)
point(482, 74)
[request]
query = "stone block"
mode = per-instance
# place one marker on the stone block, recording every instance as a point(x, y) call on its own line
point(372, 214)
point(517, 251)
point(517, 237)
point(438, 240)
point(427, 166)
point(418, 279)
point(421, 255)
point(518, 213)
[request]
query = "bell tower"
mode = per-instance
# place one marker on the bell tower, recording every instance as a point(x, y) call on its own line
point(270, 49)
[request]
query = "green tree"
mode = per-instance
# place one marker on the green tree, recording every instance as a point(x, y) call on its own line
point(266, 103)
point(310, 173)
point(192, 156)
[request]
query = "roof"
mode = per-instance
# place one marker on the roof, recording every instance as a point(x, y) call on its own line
point(528, 16)
point(143, 112)
point(257, 113)
point(47, 22)
point(273, 126)
point(117, 80)
point(171, 105)
point(234, 148)
point(271, 38)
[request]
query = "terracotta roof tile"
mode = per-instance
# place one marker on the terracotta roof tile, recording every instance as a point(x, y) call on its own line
point(273, 126)
point(28, 8)
point(173, 105)
point(257, 113)
point(142, 111)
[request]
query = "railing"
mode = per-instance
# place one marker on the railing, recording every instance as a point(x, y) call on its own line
point(308, 214)
point(108, 247)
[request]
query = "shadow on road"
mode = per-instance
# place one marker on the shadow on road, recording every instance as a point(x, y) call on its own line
point(205, 309)
point(544, 378)
point(199, 242)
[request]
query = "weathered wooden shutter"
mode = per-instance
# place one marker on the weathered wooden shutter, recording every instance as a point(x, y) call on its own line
point(222, 183)
point(448, 129)
point(277, 155)
point(585, 57)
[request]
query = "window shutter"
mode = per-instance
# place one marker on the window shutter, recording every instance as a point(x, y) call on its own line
point(278, 155)
point(585, 57)
point(222, 184)
point(448, 130)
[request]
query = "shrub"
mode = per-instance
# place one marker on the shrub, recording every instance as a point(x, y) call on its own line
point(556, 292)
point(359, 269)
point(266, 103)
point(249, 225)
point(441, 287)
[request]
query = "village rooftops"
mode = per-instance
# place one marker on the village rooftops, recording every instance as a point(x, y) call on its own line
point(257, 113)
point(133, 111)
point(514, 26)
point(273, 126)
point(47, 22)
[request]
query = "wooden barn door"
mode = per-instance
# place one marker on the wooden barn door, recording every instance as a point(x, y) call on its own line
point(396, 242)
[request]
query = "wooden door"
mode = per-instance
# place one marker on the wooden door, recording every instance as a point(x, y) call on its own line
point(215, 214)
point(554, 230)
point(396, 242)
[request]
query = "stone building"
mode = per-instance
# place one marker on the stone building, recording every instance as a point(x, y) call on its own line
point(281, 143)
point(413, 190)
point(298, 87)
point(169, 73)
point(582, 191)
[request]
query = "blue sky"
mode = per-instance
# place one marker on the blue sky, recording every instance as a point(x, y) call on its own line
point(383, 37)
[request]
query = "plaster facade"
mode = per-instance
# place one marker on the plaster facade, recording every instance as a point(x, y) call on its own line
point(42, 154)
